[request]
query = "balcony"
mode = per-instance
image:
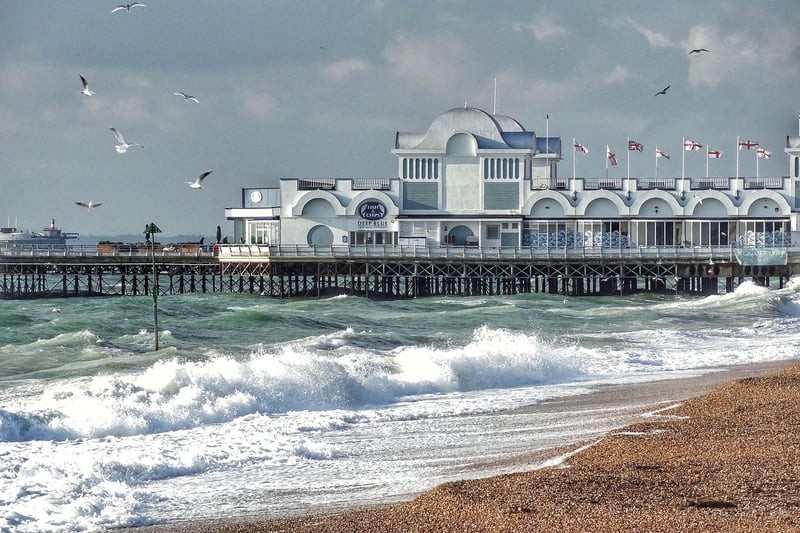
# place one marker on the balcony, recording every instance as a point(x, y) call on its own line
point(608, 184)
point(543, 184)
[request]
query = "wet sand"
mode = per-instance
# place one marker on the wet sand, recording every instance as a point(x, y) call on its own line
point(719, 451)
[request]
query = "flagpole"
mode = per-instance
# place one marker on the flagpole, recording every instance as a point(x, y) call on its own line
point(683, 158)
point(629, 158)
point(494, 105)
point(656, 161)
point(757, 158)
point(573, 161)
point(608, 150)
point(707, 152)
point(547, 146)
point(737, 157)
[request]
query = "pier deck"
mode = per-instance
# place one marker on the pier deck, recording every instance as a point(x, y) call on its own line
point(384, 271)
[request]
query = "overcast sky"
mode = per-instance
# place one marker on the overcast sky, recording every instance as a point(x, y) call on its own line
point(300, 89)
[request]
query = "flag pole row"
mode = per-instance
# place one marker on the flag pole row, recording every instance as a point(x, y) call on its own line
point(688, 146)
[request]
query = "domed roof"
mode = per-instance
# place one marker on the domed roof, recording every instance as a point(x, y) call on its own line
point(478, 122)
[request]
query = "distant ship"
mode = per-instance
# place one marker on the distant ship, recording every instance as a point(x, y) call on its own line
point(49, 235)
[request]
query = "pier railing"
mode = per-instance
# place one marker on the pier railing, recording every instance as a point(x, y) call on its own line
point(90, 250)
point(231, 253)
point(254, 252)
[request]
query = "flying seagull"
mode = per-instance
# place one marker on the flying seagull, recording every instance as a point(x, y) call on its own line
point(663, 91)
point(85, 89)
point(122, 147)
point(186, 96)
point(89, 205)
point(698, 50)
point(196, 184)
point(127, 7)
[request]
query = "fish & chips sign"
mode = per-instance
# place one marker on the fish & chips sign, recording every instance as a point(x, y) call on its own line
point(372, 215)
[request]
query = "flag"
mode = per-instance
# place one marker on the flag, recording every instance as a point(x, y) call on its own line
point(633, 145)
point(764, 153)
point(691, 145)
point(659, 153)
point(611, 155)
point(747, 144)
point(582, 148)
point(715, 154)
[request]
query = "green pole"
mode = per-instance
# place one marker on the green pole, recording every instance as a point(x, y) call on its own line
point(150, 230)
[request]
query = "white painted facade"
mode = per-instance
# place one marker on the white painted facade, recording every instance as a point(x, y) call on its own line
point(473, 179)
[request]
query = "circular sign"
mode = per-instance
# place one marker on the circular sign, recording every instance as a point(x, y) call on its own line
point(372, 210)
point(255, 197)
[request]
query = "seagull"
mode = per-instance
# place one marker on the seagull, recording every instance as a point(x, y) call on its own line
point(122, 147)
point(663, 91)
point(699, 199)
point(89, 205)
point(85, 89)
point(196, 184)
point(697, 51)
point(186, 96)
point(127, 7)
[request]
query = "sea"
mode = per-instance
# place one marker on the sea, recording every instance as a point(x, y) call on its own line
point(255, 406)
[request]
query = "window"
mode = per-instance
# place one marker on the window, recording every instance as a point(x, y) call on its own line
point(493, 231)
point(500, 168)
point(361, 238)
point(421, 169)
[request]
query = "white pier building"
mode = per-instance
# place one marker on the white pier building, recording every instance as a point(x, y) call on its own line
point(477, 180)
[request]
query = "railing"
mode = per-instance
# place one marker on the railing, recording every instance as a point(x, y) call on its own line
point(235, 253)
point(594, 184)
point(243, 252)
point(310, 184)
point(665, 184)
point(543, 184)
point(704, 184)
point(377, 184)
point(91, 250)
point(763, 183)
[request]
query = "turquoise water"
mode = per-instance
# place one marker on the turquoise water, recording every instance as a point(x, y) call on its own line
point(262, 406)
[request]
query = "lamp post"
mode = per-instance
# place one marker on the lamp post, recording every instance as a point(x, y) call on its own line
point(149, 231)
